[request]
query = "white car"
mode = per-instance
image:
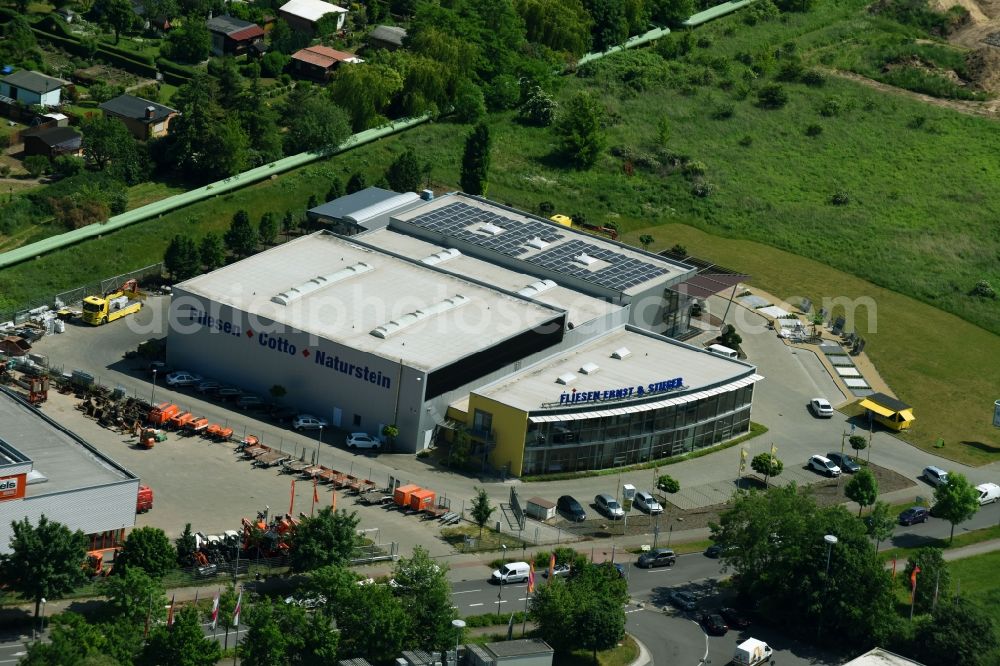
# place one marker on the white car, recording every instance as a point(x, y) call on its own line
point(645, 502)
point(362, 440)
point(183, 378)
point(307, 422)
point(821, 408)
point(935, 476)
point(824, 465)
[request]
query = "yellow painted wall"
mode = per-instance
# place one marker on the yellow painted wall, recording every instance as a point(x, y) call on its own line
point(509, 428)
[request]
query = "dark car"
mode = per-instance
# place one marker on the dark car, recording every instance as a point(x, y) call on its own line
point(915, 514)
point(734, 619)
point(713, 624)
point(683, 600)
point(718, 550)
point(845, 462)
point(569, 507)
point(660, 557)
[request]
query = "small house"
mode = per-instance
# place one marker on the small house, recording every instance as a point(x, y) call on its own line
point(362, 211)
point(522, 652)
point(304, 15)
point(31, 88)
point(388, 37)
point(233, 36)
point(144, 119)
point(319, 62)
point(890, 412)
point(52, 141)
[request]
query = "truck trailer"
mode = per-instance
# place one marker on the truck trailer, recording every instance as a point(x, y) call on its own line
point(115, 304)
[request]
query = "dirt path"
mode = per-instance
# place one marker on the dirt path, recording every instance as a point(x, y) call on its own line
point(986, 109)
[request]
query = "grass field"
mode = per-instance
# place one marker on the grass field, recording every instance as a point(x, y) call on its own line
point(978, 578)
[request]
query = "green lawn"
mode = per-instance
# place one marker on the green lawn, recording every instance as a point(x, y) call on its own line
point(978, 579)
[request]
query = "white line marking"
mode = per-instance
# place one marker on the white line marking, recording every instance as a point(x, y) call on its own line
point(466, 591)
point(472, 605)
point(523, 599)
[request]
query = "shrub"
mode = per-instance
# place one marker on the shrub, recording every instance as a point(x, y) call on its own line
point(772, 96)
point(840, 198)
point(763, 10)
point(723, 111)
point(831, 106)
point(746, 141)
point(984, 289)
point(36, 165)
point(702, 189)
point(704, 42)
point(813, 78)
point(694, 168)
point(539, 108)
point(813, 130)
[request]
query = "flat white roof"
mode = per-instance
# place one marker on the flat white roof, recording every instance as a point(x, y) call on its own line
point(60, 456)
point(580, 308)
point(370, 301)
point(311, 10)
point(541, 246)
point(594, 368)
point(879, 657)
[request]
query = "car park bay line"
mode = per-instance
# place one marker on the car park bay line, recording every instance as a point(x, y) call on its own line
point(465, 592)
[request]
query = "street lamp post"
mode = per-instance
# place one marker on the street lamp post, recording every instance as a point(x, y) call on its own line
point(830, 540)
point(318, 441)
point(153, 394)
point(459, 626)
point(503, 563)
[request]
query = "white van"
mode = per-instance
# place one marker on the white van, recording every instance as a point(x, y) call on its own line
point(723, 351)
point(512, 572)
point(988, 493)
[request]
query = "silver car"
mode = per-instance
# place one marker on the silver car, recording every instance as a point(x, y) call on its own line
point(646, 502)
point(609, 506)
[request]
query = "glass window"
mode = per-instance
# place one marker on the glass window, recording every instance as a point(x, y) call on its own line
point(482, 422)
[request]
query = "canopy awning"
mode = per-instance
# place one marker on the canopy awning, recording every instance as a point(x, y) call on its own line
point(907, 415)
point(878, 409)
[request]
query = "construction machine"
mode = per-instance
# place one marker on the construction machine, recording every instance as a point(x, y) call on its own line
point(115, 304)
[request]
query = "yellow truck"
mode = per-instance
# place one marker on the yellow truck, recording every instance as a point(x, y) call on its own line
point(121, 302)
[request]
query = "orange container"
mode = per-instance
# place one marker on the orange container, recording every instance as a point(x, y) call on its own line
point(181, 420)
point(163, 413)
point(402, 494)
point(422, 500)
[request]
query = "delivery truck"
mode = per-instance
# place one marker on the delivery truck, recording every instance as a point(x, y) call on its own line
point(752, 652)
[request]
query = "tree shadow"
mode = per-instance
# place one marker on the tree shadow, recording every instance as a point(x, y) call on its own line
point(556, 161)
point(981, 446)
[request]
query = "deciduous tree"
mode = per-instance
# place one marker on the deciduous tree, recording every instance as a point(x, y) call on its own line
point(862, 488)
point(767, 465)
point(314, 122)
point(119, 15)
point(482, 509)
point(267, 229)
point(404, 173)
point(958, 632)
point(858, 442)
point(44, 560)
point(328, 538)
point(147, 548)
point(373, 624)
point(189, 42)
point(356, 182)
point(183, 644)
point(365, 92)
point(425, 593)
point(932, 581)
point(955, 500)
point(476, 161)
point(181, 258)
point(646, 240)
point(672, 12)
point(212, 251)
point(579, 130)
point(610, 25)
point(241, 237)
point(135, 595)
point(561, 25)
point(880, 523)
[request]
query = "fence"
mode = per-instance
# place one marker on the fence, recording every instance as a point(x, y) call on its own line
point(77, 294)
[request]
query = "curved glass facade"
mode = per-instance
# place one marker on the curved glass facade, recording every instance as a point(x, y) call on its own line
point(626, 439)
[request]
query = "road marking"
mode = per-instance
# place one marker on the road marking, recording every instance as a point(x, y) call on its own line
point(473, 605)
point(659, 570)
point(465, 592)
point(634, 610)
point(523, 599)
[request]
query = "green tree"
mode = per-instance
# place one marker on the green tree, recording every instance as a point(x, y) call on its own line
point(356, 182)
point(668, 484)
point(36, 165)
point(957, 633)
point(288, 223)
point(44, 560)
point(858, 442)
point(390, 431)
point(212, 251)
point(932, 580)
point(119, 15)
point(181, 258)
point(265, 644)
point(459, 448)
point(425, 593)
point(476, 161)
point(539, 108)
point(569, 610)
point(241, 237)
point(561, 25)
point(646, 241)
point(862, 488)
point(579, 130)
point(794, 5)
point(610, 25)
point(68, 165)
point(373, 624)
point(335, 582)
point(365, 92)
point(267, 230)
point(601, 624)
point(186, 545)
point(404, 173)
point(729, 336)
point(336, 189)
point(469, 102)
point(482, 509)
point(72, 640)
point(19, 41)
point(328, 538)
point(880, 523)
point(135, 595)
point(314, 123)
point(766, 465)
point(183, 644)
point(227, 149)
point(230, 81)
point(189, 42)
point(672, 12)
point(772, 96)
point(956, 500)
point(285, 40)
point(147, 548)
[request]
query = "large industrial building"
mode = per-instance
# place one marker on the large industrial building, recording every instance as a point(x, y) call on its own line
point(47, 470)
point(545, 345)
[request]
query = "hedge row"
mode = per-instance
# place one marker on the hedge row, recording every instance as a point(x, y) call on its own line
point(174, 73)
point(114, 57)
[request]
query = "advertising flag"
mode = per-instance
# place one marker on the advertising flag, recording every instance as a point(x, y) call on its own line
point(291, 505)
point(531, 578)
point(215, 611)
point(333, 500)
point(236, 611)
point(894, 568)
point(913, 584)
point(170, 613)
point(552, 565)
